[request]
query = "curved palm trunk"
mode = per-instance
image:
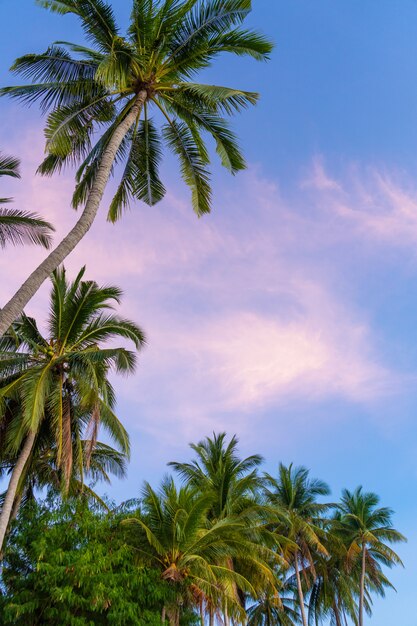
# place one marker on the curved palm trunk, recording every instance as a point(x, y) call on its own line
point(362, 587)
point(15, 306)
point(300, 590)
point(13, 484)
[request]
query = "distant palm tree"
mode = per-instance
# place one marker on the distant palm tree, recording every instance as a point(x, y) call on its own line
point(62, 380)
point(333, 594)
point(20, 226)
point(217, 470)
point(367, 530)
point(231, 483)
point(175, 536)
point(295, 494)
point(108, 93)
point(275, 609)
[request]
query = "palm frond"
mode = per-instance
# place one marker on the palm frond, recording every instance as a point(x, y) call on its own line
point(193, 168)
point(18, 227)
point(9, 166)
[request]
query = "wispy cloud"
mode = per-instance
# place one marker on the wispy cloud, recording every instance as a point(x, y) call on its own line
point(240, 308)
point(374, 204)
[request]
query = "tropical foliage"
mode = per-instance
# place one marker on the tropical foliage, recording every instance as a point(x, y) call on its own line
point(18, 226)
point(55, 389)
point(112, 104)
point(279, 556)
point(219, 541)
point(60, 570)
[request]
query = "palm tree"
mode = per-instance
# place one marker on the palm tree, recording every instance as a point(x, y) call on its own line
point(116, 86)
point(295, 494)
point(274, 609)
point(192, 554)
point(333, 594)
point(20, 226)
point(367, 530)
point(232, 482)
point(62, 380)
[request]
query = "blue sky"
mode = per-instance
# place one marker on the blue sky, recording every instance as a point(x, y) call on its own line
point(288, 316)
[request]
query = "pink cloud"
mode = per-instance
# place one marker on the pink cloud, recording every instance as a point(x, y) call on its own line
point(238, 308)
point(373, 204)
point(319, 179)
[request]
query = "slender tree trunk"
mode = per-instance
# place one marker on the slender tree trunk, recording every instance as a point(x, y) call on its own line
point(13, 484)
point(226, 618)
point(14, 308)
point(202, 612)
point(337, 615)
point(13, 515)
point(163, 615)
point(300, 590)
point(16, 506)
point(211, 617)
point(174, 616)
point(362, 587)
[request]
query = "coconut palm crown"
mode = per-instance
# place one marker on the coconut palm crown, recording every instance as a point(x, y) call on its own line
point(152, 66)
point(217, 470)
point(367, 531)
point(110, 103)
point(295, 494)
point(62, 379)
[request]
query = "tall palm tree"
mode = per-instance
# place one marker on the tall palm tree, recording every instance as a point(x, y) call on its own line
point(367, 530)
point(120, 88)
point(175, 536)
point(230, 482)
point(20, 226)
point(62, 380)
point(295, 494)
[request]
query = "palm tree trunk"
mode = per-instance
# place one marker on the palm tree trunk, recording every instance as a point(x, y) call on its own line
point(202, 612)
point(15, 510)
point(163, 615)
point(300, 590)
point(13, 484)
point(362, 586)
point(14, 308)
point(336, 614)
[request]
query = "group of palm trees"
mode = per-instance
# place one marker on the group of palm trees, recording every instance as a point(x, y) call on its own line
point(110, 100)
point(235, 545)
point(243, 547)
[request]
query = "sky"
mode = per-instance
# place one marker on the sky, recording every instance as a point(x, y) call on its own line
point(288, 315)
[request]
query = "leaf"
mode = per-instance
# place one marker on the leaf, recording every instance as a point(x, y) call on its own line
point(9, 166)
point(18, 227)
point(193, 168)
